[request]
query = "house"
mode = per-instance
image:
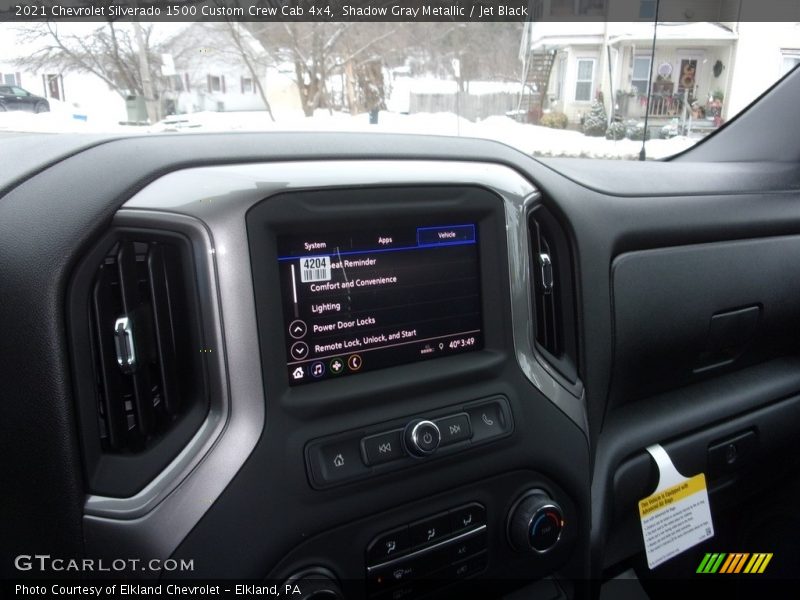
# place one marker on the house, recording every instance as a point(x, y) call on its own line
point(75, 92)
point(210, 78)
point(226, 85)
point(708, 70)
point(691, 63)
point(215, 77)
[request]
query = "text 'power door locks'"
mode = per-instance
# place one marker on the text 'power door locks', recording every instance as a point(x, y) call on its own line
point(362, 300)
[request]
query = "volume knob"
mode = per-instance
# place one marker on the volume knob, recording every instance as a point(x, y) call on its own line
point(422, 438)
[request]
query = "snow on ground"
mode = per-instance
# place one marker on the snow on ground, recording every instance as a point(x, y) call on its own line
point(531, 139)
point(62, 118)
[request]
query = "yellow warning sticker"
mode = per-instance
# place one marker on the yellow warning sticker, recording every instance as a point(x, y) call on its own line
point(672, 494)
point(677, 516)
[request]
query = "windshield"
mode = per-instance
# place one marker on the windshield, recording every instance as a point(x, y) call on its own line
point(594, 89)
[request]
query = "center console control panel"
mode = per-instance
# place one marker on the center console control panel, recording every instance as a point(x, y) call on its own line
point(355, 455)
point(445, 546)
point(476, 540)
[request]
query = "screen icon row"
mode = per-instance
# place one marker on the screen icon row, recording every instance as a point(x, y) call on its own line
point(317, 369)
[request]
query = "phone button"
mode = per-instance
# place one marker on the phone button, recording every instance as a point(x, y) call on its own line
point(487, 421)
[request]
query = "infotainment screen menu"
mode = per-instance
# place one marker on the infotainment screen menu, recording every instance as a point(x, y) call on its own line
point(365, 299)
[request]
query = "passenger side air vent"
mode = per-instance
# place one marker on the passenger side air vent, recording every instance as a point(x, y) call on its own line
point(147, 363)
point(552, 290)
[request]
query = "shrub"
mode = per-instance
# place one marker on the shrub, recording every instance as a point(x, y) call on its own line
point(596, 121)
point(615, 131)
point(670, 130)
point(634, 130)
point(554, 120)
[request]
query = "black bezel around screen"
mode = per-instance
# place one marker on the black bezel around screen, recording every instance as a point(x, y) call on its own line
point(320, 212)
point(375, 297)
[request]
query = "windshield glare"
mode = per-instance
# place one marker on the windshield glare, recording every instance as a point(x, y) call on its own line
point(576, 89)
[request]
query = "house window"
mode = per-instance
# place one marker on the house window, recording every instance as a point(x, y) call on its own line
point(647, 9)
point(584, 82)
point(789, 60)
point(247, 85)
point(54, 84)
point(641, 74)
point(176, 83)
point(11, 79)
point(215, 84)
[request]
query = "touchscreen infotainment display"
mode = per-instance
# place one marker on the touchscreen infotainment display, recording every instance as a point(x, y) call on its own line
point(370, 298)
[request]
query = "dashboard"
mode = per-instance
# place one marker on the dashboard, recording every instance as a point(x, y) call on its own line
point(384, 354)
point(388, 366)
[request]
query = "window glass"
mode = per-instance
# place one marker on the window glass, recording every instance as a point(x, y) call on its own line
point(560, 87)
point(583, 82)
point(641, 74)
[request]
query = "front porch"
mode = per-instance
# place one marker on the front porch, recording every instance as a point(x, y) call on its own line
point(687, 78)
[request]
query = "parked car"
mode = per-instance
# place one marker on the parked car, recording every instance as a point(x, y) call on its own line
point(13, 97)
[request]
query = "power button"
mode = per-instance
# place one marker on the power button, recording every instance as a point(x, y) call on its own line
point(422, 437)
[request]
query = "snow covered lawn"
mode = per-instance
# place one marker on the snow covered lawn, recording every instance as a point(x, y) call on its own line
point(531, 139)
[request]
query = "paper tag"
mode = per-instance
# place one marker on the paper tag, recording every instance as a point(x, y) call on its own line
point(677, 516)
point(315, 268)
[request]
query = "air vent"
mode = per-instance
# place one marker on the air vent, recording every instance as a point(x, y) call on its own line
point(552, 290)
point(143, 376)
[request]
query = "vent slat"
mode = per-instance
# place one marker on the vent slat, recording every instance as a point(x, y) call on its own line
point(545, 299)
point(129, 289)
point(160, 274)
point(552, 293)
point(141, 380)
point(111, 378)
point(128, 277)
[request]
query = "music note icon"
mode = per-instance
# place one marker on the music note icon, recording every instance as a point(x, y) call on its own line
point(318, 369)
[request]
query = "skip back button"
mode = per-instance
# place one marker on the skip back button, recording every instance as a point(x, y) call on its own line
point(383, 447)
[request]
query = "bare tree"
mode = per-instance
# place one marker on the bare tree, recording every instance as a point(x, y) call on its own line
point(317, 51)
point(365, 53)
point(233, 45)
point(485, 51)
point(109, 51)
point(245, 47)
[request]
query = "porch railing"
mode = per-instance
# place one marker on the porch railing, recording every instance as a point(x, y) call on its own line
point(666, 105)
point(661, 105)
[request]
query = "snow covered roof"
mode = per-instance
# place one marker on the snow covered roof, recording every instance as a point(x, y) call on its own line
point(636, 32)
point(555, 35)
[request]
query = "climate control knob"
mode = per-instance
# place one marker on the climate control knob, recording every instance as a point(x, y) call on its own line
point(422, 437)
point(535, 523)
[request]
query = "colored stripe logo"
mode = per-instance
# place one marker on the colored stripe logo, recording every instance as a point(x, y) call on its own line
point(735, 562)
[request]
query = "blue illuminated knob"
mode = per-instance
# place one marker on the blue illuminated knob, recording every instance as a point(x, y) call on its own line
point(535, 523)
